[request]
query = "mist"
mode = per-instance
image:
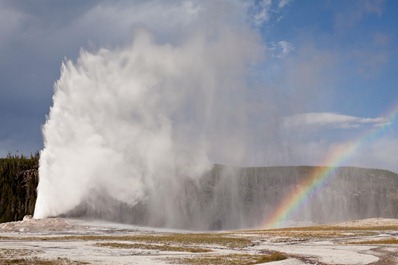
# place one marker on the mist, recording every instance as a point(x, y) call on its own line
point(134, 123)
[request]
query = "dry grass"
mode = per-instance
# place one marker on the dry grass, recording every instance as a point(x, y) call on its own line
point(322, 231)
point(183, 239)
point(153, 247)
point(38, 261)
point(25, 257)
point(388, 241)
point(231, 259)
point(310, 234)
point(7, 253)
point(337, 228)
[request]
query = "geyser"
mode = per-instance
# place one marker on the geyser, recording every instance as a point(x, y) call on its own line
point(131, 126)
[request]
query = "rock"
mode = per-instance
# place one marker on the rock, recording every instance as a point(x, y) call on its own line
point(27, 218)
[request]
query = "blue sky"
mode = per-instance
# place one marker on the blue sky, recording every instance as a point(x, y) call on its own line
point(361, 37)
point(330, 66)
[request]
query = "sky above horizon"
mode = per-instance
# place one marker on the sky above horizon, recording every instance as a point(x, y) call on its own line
point(330, 66)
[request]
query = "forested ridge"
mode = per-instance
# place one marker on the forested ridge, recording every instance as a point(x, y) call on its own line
point(18, 183)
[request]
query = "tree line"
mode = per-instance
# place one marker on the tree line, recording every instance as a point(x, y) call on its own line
point(18, 183)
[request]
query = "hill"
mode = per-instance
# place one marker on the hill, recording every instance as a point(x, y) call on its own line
point(233, 198)
point(224, 198)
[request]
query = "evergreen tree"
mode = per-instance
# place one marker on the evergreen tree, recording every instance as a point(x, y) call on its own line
point(18, 183)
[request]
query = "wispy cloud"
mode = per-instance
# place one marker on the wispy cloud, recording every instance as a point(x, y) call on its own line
point(264, 10)
point(374, 6)
point(285, 48)
point(262, 14)
point(357, 12)
point(283, 3)
point(281, 49)
point(331, 120)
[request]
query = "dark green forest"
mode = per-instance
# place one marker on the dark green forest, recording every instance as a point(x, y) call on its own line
point(18, 183)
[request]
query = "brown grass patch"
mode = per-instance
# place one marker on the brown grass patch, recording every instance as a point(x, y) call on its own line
point(307, 234)
point(183, 239)
point(231, 259)
point(8, 253)
point(388, 241)
point(153, 247)
point(26, 257)
point(336, 228)
point(37, 261)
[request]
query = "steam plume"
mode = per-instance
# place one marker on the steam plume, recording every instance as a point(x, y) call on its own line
point(133, 124)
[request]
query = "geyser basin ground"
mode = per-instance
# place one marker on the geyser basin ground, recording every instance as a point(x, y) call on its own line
point(69, 241)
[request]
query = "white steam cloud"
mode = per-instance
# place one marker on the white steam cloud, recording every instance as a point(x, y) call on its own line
point(134, 123)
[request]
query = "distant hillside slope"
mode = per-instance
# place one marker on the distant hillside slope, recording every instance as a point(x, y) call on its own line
point(224, 198)
point(348, 193)
point(18, 183)
point(231, 198)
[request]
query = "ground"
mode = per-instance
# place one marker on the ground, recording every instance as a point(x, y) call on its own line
point(68, 241)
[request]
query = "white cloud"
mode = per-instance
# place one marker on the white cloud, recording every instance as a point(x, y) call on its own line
point(263, 15)
point(332, 120)
point(281, 49)
point(262, 11)
point(283, 3)
point(285, 48)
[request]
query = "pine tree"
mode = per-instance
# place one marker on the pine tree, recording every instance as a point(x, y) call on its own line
point(18, 183)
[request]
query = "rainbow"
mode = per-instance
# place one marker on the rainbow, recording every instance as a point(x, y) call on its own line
point(320, 175)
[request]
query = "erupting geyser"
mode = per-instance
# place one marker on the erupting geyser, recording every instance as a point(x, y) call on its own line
point(134, 125)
